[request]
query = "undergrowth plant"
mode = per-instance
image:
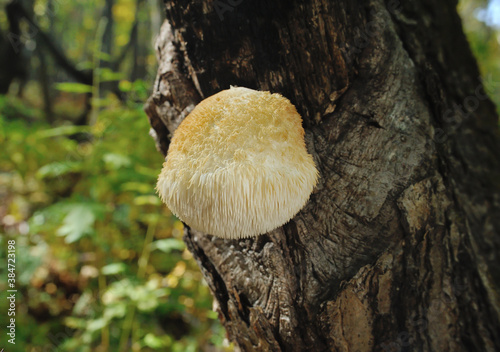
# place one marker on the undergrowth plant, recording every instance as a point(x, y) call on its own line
point(101, 263)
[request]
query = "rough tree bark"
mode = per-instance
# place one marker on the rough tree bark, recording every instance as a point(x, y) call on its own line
point(398, 246)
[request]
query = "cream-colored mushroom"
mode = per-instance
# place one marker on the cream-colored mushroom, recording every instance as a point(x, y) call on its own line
point(237, 166)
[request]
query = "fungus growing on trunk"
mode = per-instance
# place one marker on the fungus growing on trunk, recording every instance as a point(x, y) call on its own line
point(237, 166)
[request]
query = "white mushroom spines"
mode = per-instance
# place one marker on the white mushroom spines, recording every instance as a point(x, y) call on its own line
point(237, 165)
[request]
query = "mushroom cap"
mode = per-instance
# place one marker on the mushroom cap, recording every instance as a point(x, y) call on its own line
point(237, 166)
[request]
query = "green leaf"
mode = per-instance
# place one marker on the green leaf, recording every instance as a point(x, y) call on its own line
point(104, 56)
point(61, 131)
point(83, 304)
point(78, 223)
point(113, 269)
point(96, 324)
point(108, 75)
point(85, 65)
point(72, 87)
point(153, 341)
point(139, 187)
point(115, 310)
point(116, 161)
point(168, 245)
point(212, 315)
point(75, 323)
point(150, 199)
point(125, 86)
point(59, 168)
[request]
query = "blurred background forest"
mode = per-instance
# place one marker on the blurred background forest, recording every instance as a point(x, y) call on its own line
point(100, 263)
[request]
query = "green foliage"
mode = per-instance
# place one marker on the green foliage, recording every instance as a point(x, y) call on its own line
point(168, 245)
point(73, 87)
point(101, 262)
point(485, 44)
point(78, 222)
point(13, 108)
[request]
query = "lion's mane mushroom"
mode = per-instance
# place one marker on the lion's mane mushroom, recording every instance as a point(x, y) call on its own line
point(237, 166)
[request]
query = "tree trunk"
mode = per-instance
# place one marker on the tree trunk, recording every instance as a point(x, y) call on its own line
point(397, 249)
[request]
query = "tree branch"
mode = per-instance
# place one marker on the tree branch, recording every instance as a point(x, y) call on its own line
point(59, 56)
